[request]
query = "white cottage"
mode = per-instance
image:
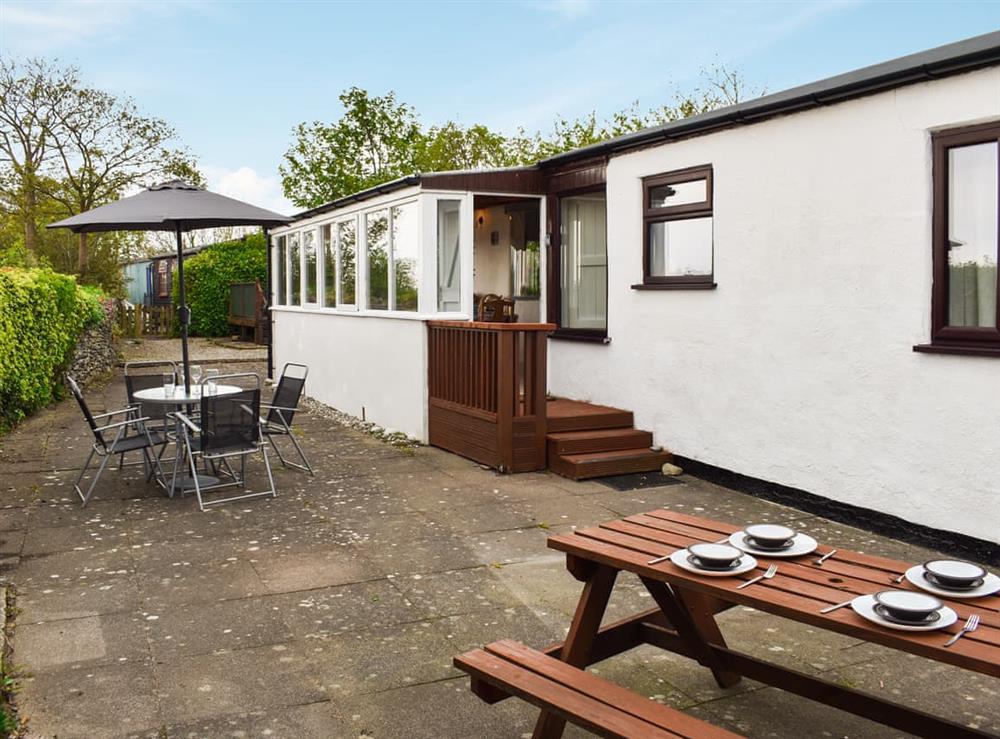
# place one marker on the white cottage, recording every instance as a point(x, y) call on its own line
point(799, 291)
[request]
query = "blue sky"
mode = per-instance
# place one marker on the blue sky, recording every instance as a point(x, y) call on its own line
point(234, 78)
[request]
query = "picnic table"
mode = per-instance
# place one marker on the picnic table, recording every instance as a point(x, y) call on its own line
point(684, 619)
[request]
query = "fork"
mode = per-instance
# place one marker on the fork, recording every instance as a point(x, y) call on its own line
point(768, 574)
point(971, 624)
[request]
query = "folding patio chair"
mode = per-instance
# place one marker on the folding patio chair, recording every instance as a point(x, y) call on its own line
point(144, 441)
point(143, 376)
point(282, 409)
point(229, 426)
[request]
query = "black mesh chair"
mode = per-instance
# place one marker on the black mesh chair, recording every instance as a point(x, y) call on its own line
point(144, 441)
point(229, 427)
point(143, 376)
point(281, 410)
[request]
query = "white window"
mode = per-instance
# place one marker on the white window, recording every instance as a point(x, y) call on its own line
point(449, 256)
point(584, 262)
point(405, 257)
point(311, 273)
point(294, 271)
point(280, 270)
point(347, 269)
point(329, 249)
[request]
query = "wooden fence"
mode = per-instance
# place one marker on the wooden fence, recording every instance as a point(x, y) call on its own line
point(487, 391)
point(145, 320)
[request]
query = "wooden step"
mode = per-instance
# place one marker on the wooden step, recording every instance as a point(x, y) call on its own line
point(603, 464)
point(600, 440)
point(575, 415)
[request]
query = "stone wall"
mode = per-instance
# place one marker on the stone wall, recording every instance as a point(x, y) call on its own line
point(95, 351)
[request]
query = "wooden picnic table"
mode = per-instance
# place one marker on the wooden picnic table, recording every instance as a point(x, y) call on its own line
point(684, 619)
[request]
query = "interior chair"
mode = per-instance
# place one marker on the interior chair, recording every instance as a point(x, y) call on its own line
point(144, 440)
point(281, 410)
point(496, 309)
point(229, 427)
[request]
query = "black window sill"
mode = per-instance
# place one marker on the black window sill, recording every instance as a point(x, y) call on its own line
point(588, 337)
point(961, 349)
point(675, 286)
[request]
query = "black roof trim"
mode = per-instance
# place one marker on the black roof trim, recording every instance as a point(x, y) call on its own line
point(963, 56)
point(384, 188)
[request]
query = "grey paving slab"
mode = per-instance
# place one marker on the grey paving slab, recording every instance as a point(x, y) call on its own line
point(98, 702)
point(335, 609)
point(215, 685)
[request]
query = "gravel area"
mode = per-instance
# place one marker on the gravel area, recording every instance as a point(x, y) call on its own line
point(200, 349)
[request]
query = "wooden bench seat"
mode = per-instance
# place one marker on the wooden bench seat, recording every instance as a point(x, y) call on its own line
point(508, 668)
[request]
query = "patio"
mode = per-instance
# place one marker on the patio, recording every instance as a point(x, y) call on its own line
point(335, 609)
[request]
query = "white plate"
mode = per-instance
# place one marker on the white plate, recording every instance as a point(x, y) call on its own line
point(864, 606)
point(991, 585)
point(801, 544)
point(679, 558)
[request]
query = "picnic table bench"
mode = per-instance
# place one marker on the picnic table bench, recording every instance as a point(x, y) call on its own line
point(684, 622)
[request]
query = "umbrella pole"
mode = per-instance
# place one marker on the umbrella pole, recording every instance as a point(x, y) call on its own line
point(183, 311)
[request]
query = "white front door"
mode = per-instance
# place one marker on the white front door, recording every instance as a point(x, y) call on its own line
point(584, 262)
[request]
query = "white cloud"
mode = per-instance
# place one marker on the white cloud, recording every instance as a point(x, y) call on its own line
point(44, 27)
point(246, 184)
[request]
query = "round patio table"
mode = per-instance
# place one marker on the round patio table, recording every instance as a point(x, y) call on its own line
point(179, 399)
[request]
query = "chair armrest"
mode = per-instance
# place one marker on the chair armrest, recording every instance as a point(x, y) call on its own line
point(129, 422)
point(180, 416)
point(126, 409)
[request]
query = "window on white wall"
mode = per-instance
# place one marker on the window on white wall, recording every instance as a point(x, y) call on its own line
point(678, 229)
point(405, 263)
point(278, 278)
point(347, 251)
point(965, 310)
point(328, 247)
point(294, 271)
point(377, 258)
point(449, 256)
point(311, 273)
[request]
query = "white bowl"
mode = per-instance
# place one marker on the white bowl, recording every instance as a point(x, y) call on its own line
point(954, 573)
point(907, 605)
point(715, 555)
point(769, 535)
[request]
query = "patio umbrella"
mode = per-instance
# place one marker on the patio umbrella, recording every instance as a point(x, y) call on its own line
point(172, 206)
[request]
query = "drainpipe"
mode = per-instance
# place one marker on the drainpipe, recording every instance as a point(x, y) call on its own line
point(267, 310)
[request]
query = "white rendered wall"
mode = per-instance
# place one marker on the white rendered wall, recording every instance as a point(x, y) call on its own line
point(799, 368)
point(359, 361)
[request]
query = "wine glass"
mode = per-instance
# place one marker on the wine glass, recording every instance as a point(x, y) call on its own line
point(195, 374)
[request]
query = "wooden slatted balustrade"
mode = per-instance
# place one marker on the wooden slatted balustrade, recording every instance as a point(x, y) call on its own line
point(487, 391)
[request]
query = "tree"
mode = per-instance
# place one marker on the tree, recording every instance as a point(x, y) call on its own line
point(376, 140)
point(32, 97)
point(104, 147)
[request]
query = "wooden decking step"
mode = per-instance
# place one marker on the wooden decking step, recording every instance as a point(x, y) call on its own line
point(575, 415)
point(598, 440)
point(603, 464)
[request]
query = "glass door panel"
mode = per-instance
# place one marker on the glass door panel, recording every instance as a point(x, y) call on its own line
point(584, 262)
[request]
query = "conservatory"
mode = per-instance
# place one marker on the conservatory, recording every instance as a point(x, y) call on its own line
point(357, 282)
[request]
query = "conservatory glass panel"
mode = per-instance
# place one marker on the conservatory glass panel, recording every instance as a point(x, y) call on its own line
point(294, 271)
point(405, 256)
point(329, 266)
point(377, 239)
point(309, 255)
point(449, 257)
point(347, 247)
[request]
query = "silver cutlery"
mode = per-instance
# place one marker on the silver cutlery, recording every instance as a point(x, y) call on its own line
point(899, 579)
point(828, 609)
point(768, 574)
point(665, 557)
point(971, 624)
point(826, 556)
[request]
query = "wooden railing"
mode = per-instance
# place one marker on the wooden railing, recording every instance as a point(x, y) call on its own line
point(486, 389)
point(145, 320)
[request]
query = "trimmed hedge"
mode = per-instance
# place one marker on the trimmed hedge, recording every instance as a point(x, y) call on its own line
point(208, 274)
point(42, 314)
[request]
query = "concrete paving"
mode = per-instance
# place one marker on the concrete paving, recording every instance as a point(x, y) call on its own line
point(334, 610)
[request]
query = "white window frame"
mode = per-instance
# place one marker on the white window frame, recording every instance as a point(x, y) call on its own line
point(314, 230)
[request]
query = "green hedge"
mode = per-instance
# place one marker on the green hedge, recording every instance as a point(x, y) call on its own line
point(42, 314)
point(208, 274)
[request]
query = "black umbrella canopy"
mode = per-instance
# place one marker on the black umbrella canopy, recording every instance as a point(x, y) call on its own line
point(169, 206)
point(172, 206)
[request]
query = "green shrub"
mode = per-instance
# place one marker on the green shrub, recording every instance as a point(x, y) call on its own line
point(208, 274)
point(42, 314)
